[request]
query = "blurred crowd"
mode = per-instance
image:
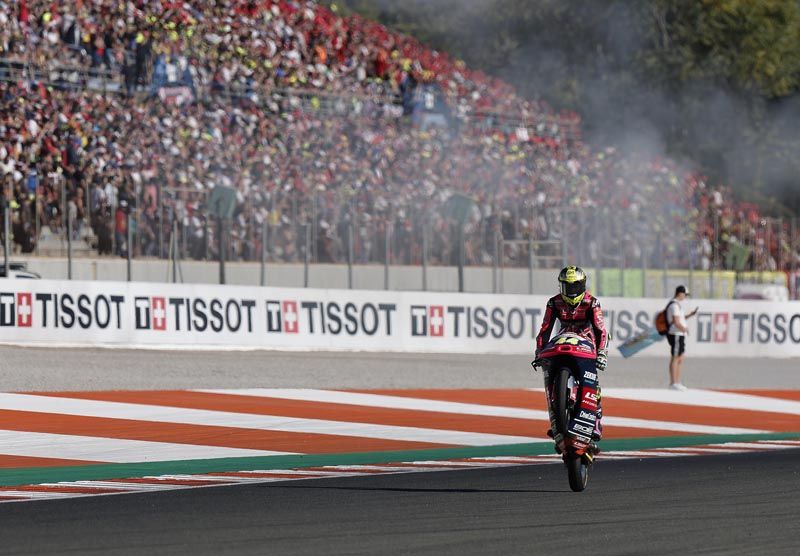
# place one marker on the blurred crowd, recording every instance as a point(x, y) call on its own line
point(338, 185)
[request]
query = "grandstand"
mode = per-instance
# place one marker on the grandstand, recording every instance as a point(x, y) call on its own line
point(334, 132)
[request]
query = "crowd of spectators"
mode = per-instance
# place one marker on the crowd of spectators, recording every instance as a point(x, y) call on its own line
point(312, 179)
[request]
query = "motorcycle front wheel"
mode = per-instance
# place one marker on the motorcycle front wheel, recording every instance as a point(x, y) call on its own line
point(577, 466)
point(561, 401)
point(577, 471)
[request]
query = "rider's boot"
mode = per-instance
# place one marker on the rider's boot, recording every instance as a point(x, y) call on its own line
point(597, 434)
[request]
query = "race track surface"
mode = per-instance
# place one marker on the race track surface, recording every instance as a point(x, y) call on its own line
point(41, 369)
point(724, 504)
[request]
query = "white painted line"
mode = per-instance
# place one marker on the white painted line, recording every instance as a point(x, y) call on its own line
point(367, 468)
point(706, 398)
point(380, 400)
point(165, 414)
point(703, 450)
point(750, 446)
point(65, 446)
point(37, 495)
point(635, 453)
point(245, 480)
point(186, 478)
point(114, 485)
point(301, 472)
point(521, 459)
point(787, 443)
point(437, 406)
point(464, 463)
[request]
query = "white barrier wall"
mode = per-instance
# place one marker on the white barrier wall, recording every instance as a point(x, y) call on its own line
point(43, 312)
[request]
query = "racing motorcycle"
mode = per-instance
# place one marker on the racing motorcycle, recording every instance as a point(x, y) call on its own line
point(570, 382)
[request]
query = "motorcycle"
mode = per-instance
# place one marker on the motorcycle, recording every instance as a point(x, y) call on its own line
point(570, 379)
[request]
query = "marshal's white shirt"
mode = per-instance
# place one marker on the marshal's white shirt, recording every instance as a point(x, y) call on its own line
point(675, 309)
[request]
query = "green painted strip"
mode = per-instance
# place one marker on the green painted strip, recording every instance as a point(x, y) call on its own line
point(34, 475)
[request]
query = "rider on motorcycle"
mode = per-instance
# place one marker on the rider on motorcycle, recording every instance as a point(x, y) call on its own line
point(579, 312)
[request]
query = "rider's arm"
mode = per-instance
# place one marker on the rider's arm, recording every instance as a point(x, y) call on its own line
point(548, 321)
point(600, 334)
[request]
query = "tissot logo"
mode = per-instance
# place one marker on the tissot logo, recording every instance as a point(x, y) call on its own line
point(436, 315)
point(16, 309)
point(282, 316)
point(7, 309)
point(24, 309)
point(151, 313)
point(159, 313)
point(427, 320)
point(713, 327)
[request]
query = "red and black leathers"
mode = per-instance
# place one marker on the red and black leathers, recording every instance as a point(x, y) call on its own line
point(586, 320)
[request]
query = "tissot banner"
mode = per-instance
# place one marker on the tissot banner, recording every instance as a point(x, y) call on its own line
point(234, 317)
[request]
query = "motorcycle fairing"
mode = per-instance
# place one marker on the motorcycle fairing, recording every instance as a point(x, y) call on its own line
point(585, 417)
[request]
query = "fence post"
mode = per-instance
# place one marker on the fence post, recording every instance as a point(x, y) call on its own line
point(6, 234)
point(174, 250)
point(793, 254)
point(644, 272)
point(425, 255)
point(159, 200)
point(621, 259)
point(69, 246)
point(37, 224)
point(780, 244)
point(128, 242)
point(691, 268)
point(263, 276)
point(502, 264)
point(714, 248)
point(315, 226)
point(206, 229)
point(495, 261)
point(307, 254)
point(221, 244)
point(461, 256)
point(350, 254)
point(387, 254)
point(530, 265)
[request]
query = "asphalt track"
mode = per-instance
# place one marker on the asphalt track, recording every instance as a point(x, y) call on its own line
point(726, 504)
point(42, 369)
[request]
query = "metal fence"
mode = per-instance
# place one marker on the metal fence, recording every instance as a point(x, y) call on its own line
point(622, 254)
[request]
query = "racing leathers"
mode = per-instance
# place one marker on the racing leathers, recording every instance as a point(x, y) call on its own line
point(585, 320)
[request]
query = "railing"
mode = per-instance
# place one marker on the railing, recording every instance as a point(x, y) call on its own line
point(330, 230)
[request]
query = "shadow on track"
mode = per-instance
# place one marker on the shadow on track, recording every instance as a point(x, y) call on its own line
point(441, 490)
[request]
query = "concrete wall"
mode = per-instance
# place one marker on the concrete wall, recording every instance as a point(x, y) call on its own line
point(611, 282)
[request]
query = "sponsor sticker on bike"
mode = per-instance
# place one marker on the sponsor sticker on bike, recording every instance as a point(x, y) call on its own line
point(588, 416)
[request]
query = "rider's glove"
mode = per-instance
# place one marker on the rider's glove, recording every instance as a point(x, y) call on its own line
point(602, 360)
point(536, 361)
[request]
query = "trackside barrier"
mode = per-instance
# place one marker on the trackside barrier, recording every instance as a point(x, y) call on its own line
point(132, 314)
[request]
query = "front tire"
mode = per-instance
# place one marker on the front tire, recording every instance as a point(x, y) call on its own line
point(561, 401)
point(578, 472)
point(577, 466)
